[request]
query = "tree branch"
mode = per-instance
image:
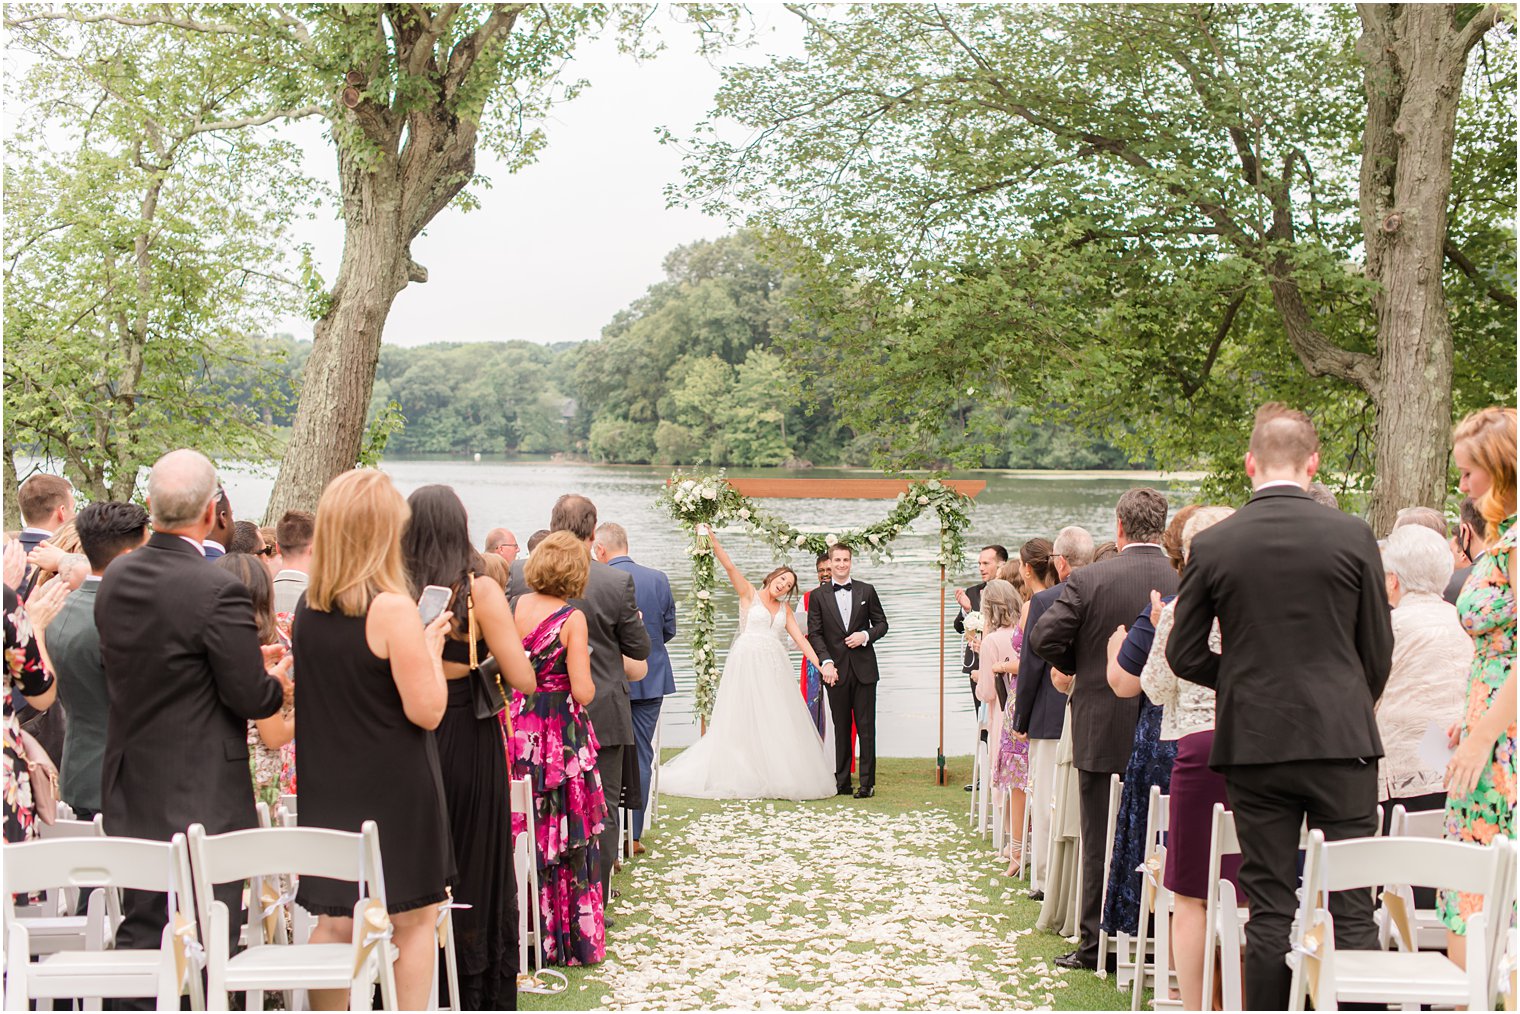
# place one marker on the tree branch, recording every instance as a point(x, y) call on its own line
point(1478, 27)
point(468, 49)
point(259, 120)
point(1192, 387)
point(1468, 268)
point(188, 24)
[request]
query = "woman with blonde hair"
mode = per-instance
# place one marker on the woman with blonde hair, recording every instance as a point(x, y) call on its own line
point(998, 660)
point(370, 694)
point(1480, 778)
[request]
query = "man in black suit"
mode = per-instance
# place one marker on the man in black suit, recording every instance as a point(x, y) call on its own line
point(1073, 637)
point(106, 531)
point(184, 674)
point(1470, 543)
point(845, 620)
point(220, 537)
point(614, 629)
point(970, 600)
point(1303, 616)
point(1039, 709)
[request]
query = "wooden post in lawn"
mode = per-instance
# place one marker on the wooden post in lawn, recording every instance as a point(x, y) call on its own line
point(865, 489)
point(940, 756)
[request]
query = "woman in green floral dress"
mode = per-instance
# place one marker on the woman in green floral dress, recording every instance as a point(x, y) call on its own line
point(1480, 779)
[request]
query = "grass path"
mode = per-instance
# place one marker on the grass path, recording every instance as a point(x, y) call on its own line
point(885, 903)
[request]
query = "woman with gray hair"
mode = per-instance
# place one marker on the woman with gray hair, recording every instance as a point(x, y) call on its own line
point(1431, 658)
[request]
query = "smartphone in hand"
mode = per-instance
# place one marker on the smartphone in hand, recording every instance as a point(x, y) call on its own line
point(434, 599)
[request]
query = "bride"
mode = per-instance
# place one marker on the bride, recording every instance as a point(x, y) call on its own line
point(761, 742)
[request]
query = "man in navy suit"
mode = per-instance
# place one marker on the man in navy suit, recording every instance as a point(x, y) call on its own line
point(657, 608)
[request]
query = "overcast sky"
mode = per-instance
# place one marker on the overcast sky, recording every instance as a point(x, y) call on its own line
point(557, 249)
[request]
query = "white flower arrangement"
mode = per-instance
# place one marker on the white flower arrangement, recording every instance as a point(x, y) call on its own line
point(708, 499)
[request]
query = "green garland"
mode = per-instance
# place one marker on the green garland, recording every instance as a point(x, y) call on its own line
point(694, 499)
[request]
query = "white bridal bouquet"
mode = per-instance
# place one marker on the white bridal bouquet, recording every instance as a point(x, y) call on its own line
point(974, 625)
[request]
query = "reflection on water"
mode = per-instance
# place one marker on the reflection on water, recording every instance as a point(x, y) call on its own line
point(1014, 507)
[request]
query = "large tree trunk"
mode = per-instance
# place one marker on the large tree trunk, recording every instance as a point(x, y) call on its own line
point(12, 483)
point(1415, 60)
point(340, 375)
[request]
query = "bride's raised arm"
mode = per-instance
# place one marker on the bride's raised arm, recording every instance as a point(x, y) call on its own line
point(741, 584)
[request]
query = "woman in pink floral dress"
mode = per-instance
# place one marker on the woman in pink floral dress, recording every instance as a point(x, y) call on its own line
point(554, 745)
point(24, 671)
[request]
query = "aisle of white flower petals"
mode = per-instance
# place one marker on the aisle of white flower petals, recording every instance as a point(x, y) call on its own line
point(759, 905)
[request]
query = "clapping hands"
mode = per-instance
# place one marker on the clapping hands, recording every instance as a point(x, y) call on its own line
point(1155, 607)
point(15, 564)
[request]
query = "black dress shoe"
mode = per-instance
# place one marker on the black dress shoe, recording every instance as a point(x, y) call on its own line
point(865, 792)
point(1036, 895)
point(968, 786)
point(846, 791)
point(1073, 959)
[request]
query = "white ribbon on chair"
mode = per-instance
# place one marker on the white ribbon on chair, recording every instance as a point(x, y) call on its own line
point(188, 952)
point(443, 917)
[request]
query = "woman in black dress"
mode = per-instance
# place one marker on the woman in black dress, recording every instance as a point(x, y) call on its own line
point(471, 751)
point(370, 694)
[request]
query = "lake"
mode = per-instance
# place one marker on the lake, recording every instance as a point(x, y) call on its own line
point(1015, 506)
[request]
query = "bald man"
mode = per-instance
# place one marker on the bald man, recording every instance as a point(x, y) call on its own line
point(501, 542)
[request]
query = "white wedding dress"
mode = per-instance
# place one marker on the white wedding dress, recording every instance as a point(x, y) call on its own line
point(761, 743)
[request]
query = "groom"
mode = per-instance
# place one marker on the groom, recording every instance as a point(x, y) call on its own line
point(845, 620)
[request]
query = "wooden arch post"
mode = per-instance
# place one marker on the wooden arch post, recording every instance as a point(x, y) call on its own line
point(866, 489)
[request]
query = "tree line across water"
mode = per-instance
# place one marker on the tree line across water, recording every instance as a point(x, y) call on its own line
point(693, 372)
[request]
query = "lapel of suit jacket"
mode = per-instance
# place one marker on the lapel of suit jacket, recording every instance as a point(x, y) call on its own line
point(857, 602)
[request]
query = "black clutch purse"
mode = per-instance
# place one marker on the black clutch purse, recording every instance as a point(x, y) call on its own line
point(486, 691)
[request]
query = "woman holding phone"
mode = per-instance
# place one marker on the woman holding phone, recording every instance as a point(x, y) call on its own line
point(372, 694)
point(471, 750)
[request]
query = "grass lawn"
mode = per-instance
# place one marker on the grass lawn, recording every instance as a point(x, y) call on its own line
point(890, 902)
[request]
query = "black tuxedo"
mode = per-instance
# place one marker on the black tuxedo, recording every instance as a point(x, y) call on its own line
point(1073, 636)
point(1303, 618)
point(853, 695)
point(184, 674)
point(1039, 709)
point(968, 656)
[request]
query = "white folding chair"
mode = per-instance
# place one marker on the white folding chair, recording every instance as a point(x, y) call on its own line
point(53, 924)
point(525, 858)
point(981, 777)
point(114, 864)
point(445, 934)
point(1330, 976)
point(1141, 959)
point(1224, 917)
point(1115, 793)
point(1424, 923)
point(265, 853)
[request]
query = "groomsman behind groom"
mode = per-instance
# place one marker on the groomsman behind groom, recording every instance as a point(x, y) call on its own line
point(845, 620)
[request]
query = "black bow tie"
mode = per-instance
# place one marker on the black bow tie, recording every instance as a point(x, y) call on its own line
point(843, 587)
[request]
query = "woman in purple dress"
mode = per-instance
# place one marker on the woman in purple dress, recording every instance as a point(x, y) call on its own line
point(998, 661)
point(554, 745)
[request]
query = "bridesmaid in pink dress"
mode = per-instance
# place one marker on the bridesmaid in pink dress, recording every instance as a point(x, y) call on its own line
point(998, 659)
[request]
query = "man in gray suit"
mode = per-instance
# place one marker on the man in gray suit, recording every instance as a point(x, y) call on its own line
point(614, 629)
point(106, 530)
point(293, 537)
point(1073, 636)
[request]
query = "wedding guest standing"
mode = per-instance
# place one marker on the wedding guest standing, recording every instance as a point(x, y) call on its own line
point(1469, 545)
point(998, 662)
point(1187, 717)
point(614, 631)
point(1039, 708)
point(215, 544)
point(1432, 656)
point(502, 544)
point(185, 674)
point(472, 754)
point(25, 674)
point(1480, 780)
point(555, 745)
point(371, 692)
point(1073, 637)
point(970, 600)
point(106, 531)
point(1151, 756)
point(1303, 620)
point(266, 736)
point(293, 535)
point(651, 590)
